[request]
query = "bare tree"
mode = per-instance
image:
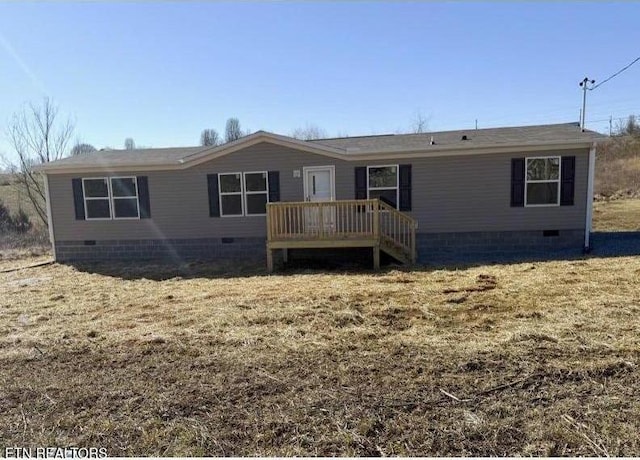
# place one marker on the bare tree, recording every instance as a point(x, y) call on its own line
point(420, 124)
point(37, 135)
point(628, 127)
point(232, 130)
point(308, 133)
point(80, 148)
point(129, 144)
point(210, 137)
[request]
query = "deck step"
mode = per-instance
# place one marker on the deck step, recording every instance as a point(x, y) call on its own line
point(396, 252)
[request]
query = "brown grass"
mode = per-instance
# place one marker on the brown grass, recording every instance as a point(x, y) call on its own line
point(522, 359)
point(618, 168)
point(623, 214)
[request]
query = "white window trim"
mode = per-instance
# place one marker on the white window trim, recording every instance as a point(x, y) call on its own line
point(545, 181)
point(397, 187)
point(85, 198)
point(247, 192)
point(113, 198)
point(221, 193)
point(110, 198)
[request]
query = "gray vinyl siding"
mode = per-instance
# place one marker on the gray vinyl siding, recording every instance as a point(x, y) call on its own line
point(450, 194)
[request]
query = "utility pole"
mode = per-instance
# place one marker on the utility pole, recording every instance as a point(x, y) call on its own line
point(584, 84)
point(610, 124)
point(476, 123)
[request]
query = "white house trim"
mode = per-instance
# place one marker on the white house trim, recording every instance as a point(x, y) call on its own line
point(589, 215)
point(49, 216)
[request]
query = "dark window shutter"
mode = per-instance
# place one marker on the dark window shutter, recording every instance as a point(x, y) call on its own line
point(214, 202)
point(78, 198)
point(567, 181)
point(361, 182)
point(517, 182)
point(143, 197)
point(274, 186)
point(405, 188)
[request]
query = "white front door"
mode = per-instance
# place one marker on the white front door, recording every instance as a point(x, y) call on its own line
point(319, 185)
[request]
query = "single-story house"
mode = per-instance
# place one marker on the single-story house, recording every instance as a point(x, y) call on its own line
point(425, 197)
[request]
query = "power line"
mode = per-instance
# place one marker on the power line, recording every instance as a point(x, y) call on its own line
point(607, 119)
point(615, 74)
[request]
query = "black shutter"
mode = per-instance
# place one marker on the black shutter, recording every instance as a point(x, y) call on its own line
point(567, 180)
point(361, 182)
point(405, 188)
point(143, 197)
point(274, 186)
point(214, 202)
point(78, 198)
point(517, 182)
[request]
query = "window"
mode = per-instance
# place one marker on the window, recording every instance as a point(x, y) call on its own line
point(124, 193)
point(243, 194)
point(382, 183)
point(256, 193)
point(114, 198)
point(231, 194)
point(96, 198)
point(542, 179)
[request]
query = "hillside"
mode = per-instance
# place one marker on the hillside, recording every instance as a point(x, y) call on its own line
point(618, 168)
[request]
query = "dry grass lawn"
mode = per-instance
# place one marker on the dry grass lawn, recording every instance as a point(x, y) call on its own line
point(522, 359)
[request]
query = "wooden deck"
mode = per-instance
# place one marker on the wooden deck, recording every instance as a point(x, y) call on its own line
point(340, 224)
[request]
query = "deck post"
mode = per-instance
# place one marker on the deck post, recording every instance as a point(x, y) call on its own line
point(413, 243)
point(269, 259)
point(376, 220)
point(285, 255)
point(376, 257)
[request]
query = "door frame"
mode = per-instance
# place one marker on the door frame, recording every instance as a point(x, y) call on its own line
point(332, 178)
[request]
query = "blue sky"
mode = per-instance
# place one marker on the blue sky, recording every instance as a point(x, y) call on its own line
point(161, 72)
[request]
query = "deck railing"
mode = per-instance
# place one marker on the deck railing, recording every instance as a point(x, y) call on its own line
point(342, 220)
point(397, 229)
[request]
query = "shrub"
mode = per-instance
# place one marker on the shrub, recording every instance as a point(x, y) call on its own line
point(21, 222)
point(17, 223)
point(6, 221)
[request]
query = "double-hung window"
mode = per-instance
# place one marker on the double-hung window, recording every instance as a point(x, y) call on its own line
point(542, 187)
point(124, 195)
point(243, 194)
point(97, 202)
point(256, 193)
point(231, 194)
point(382, 183)
point(111, 198)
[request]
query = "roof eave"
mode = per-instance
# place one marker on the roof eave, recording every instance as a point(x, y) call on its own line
point(430, 151)
point(440, 150)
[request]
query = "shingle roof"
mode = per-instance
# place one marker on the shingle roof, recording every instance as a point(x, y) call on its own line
point(380, 144)
point(160, 156)
point(475, 138)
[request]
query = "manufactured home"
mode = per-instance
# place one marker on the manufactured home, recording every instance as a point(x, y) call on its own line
point(430, 197)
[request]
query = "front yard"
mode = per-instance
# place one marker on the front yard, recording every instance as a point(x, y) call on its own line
point(521, 359)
